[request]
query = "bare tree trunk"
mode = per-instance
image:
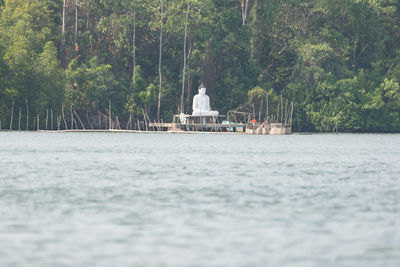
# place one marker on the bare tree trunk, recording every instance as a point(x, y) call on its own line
point(38, 122)
point(88, 15)
point(184, 59)
point(245, 6)
point(63, 31)
point(80, 121)
point(12, 115)
point(134, 46)
point(160, 59)
point(76, 26)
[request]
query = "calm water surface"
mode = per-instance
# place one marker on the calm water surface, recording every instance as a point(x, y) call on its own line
point(108, 199)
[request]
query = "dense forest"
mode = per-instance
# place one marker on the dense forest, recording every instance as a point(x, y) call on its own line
point(339, 61)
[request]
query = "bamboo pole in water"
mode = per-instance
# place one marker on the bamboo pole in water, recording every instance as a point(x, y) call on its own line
point(12, 115)
point(19, 120)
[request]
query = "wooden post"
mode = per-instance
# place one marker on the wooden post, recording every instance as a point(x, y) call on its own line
point(109, 115)
point(80, 121)
point(38, 122)
point(286, 112)
point(281, 109)
point(58, 122)
point(34, 123)
point(27, 115)
point(87, 117)
point(62, 112)
point(51, 116)
point(72, 117)
point(267, 109)
point(277, 114)
point(118, 126)
point(19, 120)
point(291, 115)
point(47, 117)
point(12, 115)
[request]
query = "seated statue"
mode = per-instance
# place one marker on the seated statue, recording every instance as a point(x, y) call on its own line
point(201, 104)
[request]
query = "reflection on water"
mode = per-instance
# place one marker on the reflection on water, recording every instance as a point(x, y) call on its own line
point(102, 199)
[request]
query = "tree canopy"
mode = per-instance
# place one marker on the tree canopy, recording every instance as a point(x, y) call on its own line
point(338, 60)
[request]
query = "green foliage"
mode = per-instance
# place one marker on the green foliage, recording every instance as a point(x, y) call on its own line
point(89, 86)
point(338, 60)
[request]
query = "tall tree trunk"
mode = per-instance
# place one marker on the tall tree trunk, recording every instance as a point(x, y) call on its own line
point(63, 31)
point(134, 46)
point(184, 59)
point(245, 6)
point(76, 25)
point(88, 15)
point(160, 59)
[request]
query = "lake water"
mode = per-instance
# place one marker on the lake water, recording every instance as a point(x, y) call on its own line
point(119, 199)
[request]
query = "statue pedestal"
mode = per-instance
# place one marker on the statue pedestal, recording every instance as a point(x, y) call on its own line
point(205, 113)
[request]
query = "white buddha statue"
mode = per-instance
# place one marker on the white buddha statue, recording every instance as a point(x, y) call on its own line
point(201, 104)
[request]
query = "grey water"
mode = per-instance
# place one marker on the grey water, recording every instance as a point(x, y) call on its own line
point(119, 199)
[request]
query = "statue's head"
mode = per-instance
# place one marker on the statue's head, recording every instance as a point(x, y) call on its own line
point(202, 90)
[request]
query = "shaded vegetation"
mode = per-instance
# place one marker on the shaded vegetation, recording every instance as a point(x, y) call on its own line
point(339, 60)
